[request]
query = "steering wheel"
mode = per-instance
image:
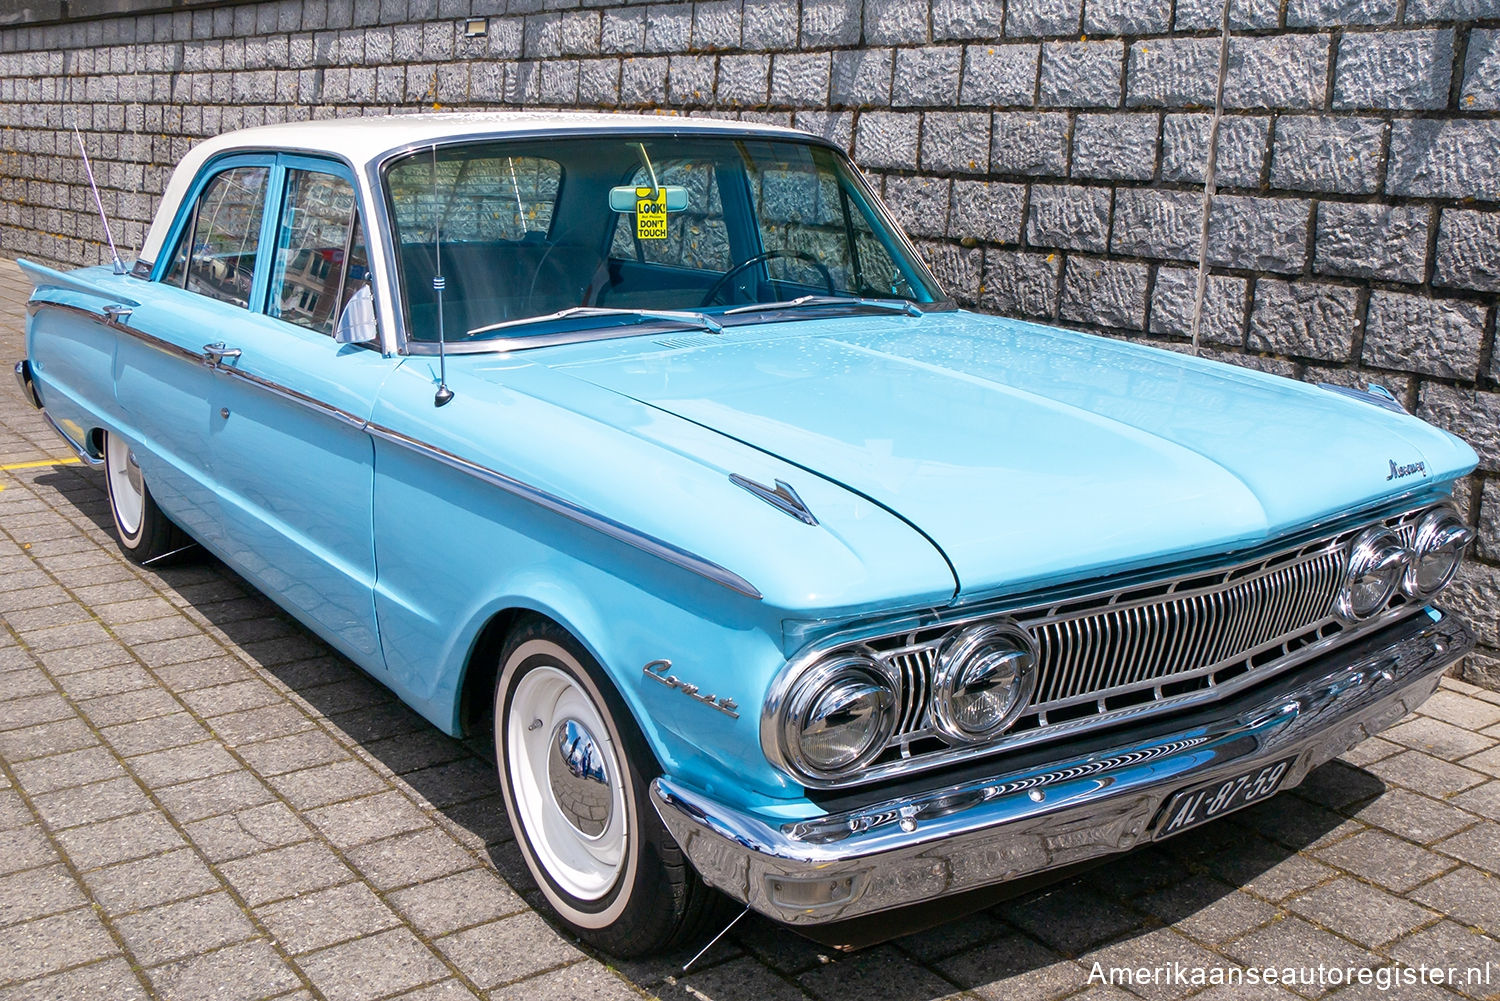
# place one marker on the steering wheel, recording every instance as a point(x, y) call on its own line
point(770, 255)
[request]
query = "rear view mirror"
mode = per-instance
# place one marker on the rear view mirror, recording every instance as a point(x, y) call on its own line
point(357, 320)
point(624, 198)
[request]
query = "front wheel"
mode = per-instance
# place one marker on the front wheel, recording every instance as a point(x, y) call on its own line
point(574, 771)
point(144, 533)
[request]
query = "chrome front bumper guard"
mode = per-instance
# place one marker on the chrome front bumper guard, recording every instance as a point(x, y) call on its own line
point(1073, 810)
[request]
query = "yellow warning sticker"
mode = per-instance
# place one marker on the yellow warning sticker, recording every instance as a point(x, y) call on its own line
point(650, 214)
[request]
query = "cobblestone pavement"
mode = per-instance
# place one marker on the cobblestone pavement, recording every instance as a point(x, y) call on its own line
point(200, 800)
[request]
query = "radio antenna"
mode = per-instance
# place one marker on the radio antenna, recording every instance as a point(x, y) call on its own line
point(119, 265)
point(444, 394)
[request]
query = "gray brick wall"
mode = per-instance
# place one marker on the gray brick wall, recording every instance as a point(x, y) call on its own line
point(1047, 154)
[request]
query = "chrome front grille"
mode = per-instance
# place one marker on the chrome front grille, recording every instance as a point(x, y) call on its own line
point(1125, 647)
point(1142, 649)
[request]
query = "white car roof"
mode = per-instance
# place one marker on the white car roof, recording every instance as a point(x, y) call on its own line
point(364, 140)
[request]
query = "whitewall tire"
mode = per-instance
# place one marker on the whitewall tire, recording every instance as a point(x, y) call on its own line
point(143, 531)
point(574, 771)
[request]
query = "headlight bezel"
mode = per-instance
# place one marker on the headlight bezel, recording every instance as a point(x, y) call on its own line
point(811, 691)
point(957, 658)
point(1439, 528)
point(1375, 550)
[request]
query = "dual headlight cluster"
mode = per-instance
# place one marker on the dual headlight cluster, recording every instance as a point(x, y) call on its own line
point(841, 714)
point(1379, 563)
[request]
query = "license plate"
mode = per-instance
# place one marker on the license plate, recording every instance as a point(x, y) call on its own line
point(1200, 804)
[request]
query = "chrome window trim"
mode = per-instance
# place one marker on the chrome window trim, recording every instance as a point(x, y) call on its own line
point(376, 170)
point(1025, 609)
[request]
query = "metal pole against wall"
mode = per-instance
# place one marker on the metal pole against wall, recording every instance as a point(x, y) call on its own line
point(1208, 175)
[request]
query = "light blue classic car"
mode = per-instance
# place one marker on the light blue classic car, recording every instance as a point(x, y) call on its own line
point(652, 443)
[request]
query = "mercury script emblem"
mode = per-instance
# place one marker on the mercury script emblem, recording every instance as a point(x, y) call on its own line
point(657, 671)
point(1399, 472)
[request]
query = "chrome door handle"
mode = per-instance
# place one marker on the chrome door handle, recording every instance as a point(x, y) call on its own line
point(116, 314)
point(214, 354)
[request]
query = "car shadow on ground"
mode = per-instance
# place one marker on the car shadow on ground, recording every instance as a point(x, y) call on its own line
point(1115, 913)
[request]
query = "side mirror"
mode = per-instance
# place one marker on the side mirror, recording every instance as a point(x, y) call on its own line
point(357, 321)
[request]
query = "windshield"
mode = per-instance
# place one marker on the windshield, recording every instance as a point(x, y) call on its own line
point(542, 238)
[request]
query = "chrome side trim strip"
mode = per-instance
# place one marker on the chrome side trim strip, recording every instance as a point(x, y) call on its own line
point(87, 457)
point(599, 523)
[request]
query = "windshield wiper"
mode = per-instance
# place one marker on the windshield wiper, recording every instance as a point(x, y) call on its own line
point(892, 305)
point(698, 321)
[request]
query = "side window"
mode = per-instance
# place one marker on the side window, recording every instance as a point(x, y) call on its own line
point(696, 238)
point(311, 240)
point(216, 253)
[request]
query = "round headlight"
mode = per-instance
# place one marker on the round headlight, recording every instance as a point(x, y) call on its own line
point(1376, 562)
point(984, 679)
point(840, 716)
point(1437, 550)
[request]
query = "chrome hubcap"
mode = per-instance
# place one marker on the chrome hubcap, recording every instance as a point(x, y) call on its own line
point(578, 779)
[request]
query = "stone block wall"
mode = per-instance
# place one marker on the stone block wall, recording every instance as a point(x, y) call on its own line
point(1047, 155)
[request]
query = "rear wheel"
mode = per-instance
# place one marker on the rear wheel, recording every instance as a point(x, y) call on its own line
point(144, 533)
point(575, 771)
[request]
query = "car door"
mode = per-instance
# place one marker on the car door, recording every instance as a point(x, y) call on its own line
point(199, 290)
point(292, 464)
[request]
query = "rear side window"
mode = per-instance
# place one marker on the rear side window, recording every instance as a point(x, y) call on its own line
point(216, 253)
point(312, 242)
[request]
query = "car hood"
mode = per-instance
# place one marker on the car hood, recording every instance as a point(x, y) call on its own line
point(1029, 454)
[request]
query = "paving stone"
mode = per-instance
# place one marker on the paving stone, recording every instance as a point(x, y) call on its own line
point(111, 980)
point(1434, 736)
point(217, 794)
point(45, 739)
point(1070, 918)
point(1360, 912)
point(286, 754)
point(314, 787)
point(50, 944)
point(1384, 860)
point(235, 697)
point(1413, 817)
point(145, 883)
point(174, 931)
point(100, 801)
point(1483, 800)
point(239, 973)
point(183, 764)
point(358, 821)
point(156, 734)
point(18, 713)
point(1159, 948)
point(409, 858)
point(458, 782)
point(108, 681)
point(1479, 846)
point(1208, 910)
point(448, 904)
point(1423, 772)
point(316, 920)
point(591, 979)
point(1450, 945)
point(120, 840)
point(1008, 967)
point(129, 707)
point(236, 835)
point(409, 752)
point(257, 725)
point(284, 872)
point(1295, 943)
point(35, 893)
point(375, 966)
point(1461, 710)
point(203, 673)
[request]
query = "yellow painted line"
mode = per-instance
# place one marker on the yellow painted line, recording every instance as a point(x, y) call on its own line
point(70, 461)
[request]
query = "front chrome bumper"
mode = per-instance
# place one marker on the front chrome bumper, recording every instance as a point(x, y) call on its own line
point(1072, 809)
